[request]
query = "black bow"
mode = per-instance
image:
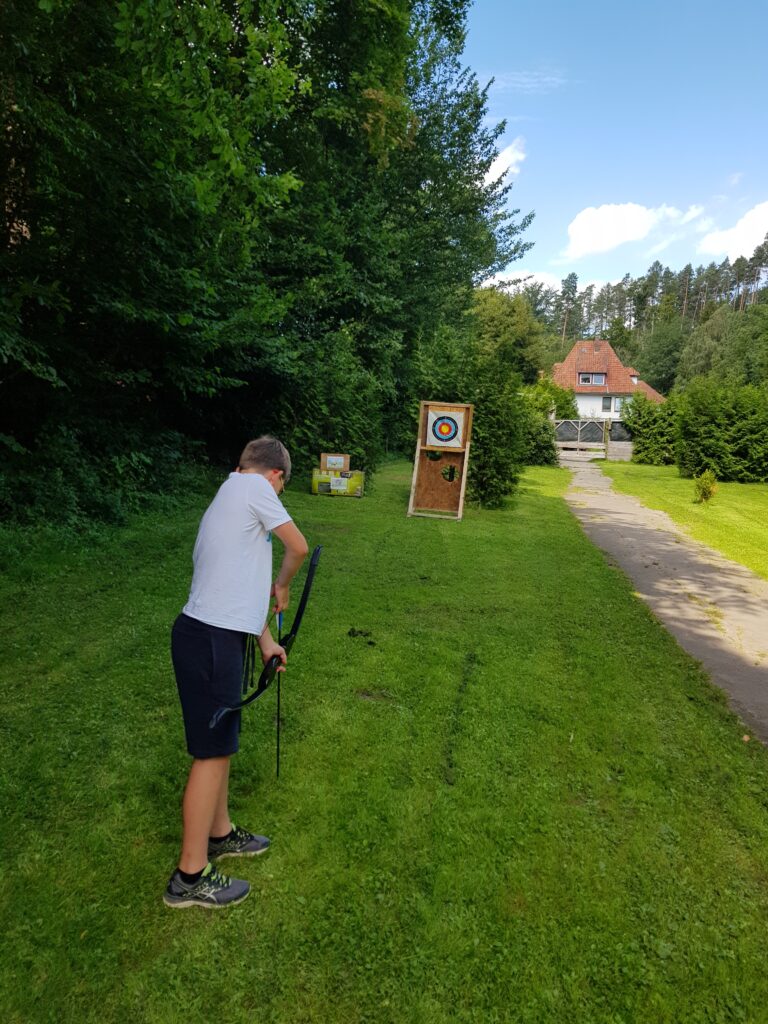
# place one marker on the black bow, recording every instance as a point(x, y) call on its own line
point(269, 671)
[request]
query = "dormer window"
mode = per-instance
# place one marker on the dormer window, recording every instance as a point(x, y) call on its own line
point(633, 378)
point(591, 378)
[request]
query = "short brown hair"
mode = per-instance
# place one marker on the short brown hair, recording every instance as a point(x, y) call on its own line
point(266, 453)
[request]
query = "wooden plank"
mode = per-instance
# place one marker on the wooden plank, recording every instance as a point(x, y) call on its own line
point(435, 515)
point(432, 489)
point(465, 470)
point(414, 477)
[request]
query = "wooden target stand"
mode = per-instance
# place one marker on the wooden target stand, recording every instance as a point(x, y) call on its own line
point(441, 461)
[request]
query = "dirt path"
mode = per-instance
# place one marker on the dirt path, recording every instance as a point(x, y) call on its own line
point(716, 609)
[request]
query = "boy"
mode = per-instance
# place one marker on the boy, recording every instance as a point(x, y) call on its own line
point(228, 600)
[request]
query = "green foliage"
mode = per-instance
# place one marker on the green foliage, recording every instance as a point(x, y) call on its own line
point(543, 402)
point(498, 434)
point(548, 397)
point(227, 218)
point(478, 362)
point(81, 478)
point(539, 447)
point(653, 427)
point(506, 328)
point(723, 428)
point(704, 486)
point(660, 345)
point(454, 369)
point(731, 345)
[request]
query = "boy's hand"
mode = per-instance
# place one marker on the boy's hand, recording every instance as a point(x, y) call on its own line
point(282, 595)
point(272, 649)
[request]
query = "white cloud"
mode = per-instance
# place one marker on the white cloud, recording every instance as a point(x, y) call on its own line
point(691, 214)
point(508, 161)
point(522, 277)
point(740, 240)
point(734, 179)
point(602, 228)
point(703, 225)
point(528, 81)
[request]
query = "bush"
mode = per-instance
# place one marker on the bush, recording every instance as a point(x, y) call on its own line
point(498, 444)
point(539, 447)
point(74, 476)
point(704, 486)
point(653, 428)
point(547, 397)
point(724, 428)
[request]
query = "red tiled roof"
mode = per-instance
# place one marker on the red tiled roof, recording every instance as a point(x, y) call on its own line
point(598, 357)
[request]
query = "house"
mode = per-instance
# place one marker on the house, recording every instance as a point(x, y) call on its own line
point(599, 380)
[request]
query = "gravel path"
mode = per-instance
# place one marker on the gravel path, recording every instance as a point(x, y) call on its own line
point(716, 609)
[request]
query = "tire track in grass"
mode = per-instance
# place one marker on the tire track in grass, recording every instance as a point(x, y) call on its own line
point(455, 715)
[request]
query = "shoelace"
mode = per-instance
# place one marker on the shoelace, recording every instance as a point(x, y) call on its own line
point(218, 879)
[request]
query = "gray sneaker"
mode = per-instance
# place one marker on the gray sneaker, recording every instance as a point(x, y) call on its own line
point(239, 844)
point(212, 890)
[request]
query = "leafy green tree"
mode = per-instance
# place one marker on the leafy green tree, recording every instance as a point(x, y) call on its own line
point(660, 348)
point(568, 307)
point(622, 341)
point(229, 217)
point(550, 399)
point(730, 346)
point(653, 428)
point(130, 217)
point(506, 326)
point(723, 427)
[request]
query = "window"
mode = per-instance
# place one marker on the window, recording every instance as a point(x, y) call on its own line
point(607, 403)
point(591, 378)
point(598, 378)
point(585, 378)
point(617, 405)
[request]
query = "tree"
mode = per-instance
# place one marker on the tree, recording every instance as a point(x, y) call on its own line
point(568, 306)
point(660, 348)
point(506, 328)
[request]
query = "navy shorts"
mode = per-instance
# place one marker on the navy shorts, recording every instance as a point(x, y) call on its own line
point(208, 662)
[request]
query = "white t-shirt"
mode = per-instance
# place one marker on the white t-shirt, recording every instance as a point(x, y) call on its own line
point(233, 555)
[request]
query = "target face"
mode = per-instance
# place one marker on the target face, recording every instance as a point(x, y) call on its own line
point(445, 430)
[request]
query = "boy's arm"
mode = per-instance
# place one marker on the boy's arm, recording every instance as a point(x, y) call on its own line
point(296, 550)
point(269, 648)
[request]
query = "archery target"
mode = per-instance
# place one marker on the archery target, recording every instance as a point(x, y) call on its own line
point(445, 429)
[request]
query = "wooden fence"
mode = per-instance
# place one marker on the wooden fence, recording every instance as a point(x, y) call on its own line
point(583, 439)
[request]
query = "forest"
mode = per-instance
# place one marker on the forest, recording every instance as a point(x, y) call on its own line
point(244, 216)
point(670, 325)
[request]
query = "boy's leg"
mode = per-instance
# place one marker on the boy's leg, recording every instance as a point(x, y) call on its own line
point(222, 823)
point(207, 784)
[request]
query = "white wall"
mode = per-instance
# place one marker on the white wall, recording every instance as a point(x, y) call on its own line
point(591, 408)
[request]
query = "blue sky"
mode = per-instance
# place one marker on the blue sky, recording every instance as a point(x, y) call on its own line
point(635, 132)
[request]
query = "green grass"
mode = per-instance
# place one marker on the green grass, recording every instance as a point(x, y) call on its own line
point(508, 796)
point(734, 522)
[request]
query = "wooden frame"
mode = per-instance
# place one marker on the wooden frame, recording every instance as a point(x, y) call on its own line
point(439, 467)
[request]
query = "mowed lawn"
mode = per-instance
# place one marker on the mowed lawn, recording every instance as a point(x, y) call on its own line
point(734, 522)
point(506, 795)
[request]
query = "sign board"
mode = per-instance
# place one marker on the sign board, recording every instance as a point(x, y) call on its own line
point(350, 484)
point(339, 462)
